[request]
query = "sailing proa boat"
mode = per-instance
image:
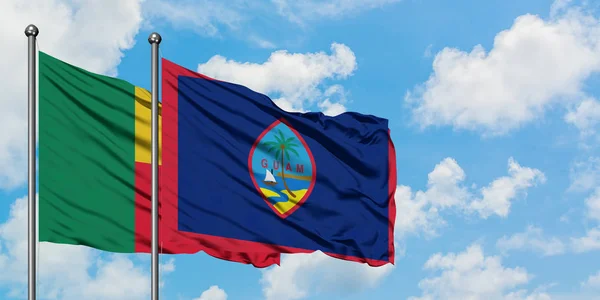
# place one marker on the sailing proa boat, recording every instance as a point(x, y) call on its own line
point(269, 178)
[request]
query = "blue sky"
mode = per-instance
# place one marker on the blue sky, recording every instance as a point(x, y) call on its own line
point(493, 107)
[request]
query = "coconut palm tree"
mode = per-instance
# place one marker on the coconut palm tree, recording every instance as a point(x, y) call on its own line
point(282, 146)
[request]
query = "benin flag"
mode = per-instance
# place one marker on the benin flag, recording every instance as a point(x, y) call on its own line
point(94, 155)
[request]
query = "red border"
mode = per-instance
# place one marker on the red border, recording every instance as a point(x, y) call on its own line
point(171, 240)
point(312, 161)
point(143, 205)
point(392, 182)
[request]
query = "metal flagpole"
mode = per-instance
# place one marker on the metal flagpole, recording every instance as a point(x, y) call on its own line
point(154, 39)
point(31, 32)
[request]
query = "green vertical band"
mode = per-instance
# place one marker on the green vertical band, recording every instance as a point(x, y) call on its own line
point(86, 158)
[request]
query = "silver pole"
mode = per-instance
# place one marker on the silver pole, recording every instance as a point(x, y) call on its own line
point(31, 32)
point(154, 39)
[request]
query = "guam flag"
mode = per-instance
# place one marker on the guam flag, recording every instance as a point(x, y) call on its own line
point(245, 181)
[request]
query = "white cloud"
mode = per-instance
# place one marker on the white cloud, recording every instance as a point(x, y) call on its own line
point(334, 102)
point(296, 78)
point(420, 211)
point(67, 271)
point(593, 282)
point(497, 196)
point(532, 239)
point(213, 293)
point(524, 295)
point(202, 16)
point(586, 117)
point(592, 204)
point(472, 275)
point(415, 213)
point(167, 267)
point(117, 278)
point(559, 6)
point(300, 275)
point(68, 30)
point(443, 185)
point(533, 65)
point(301, 11)
point(427, 53)
point(261, 42)
point(331, 109)
point(585, 175)
point(589, 242)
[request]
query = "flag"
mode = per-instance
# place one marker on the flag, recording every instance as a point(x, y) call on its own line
point(240, 175)
point(94, 158)
point(94, 165)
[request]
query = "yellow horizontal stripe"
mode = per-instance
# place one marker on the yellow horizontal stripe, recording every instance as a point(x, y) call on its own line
point(143, 126)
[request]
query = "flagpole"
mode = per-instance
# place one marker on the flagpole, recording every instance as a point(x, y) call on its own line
point(154, 39)
point(31, 32)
